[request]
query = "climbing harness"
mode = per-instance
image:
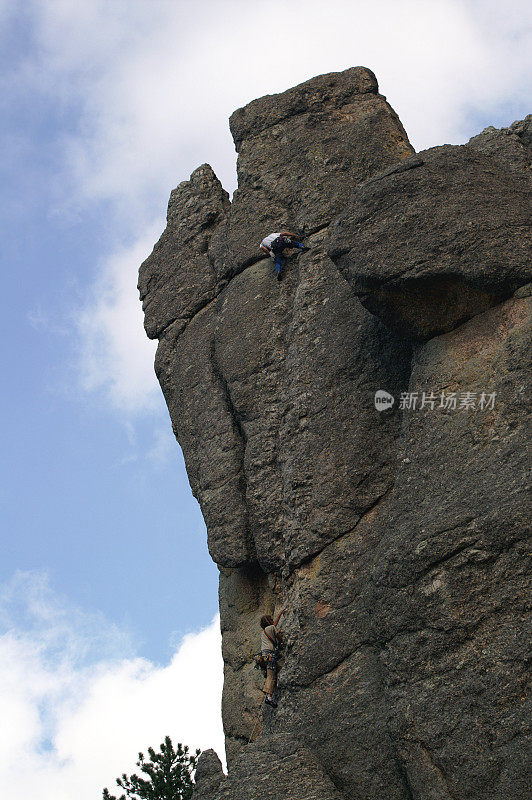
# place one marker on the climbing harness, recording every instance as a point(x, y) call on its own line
point(260, 661)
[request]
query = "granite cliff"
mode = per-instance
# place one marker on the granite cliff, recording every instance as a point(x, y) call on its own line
point(396, 538)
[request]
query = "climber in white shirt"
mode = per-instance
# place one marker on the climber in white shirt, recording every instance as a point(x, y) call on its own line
point(275, 243)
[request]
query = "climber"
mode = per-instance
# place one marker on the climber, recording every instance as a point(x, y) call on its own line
point(270, 642)
point(275, 243)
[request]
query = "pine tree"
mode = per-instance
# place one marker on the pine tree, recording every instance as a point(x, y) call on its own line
point(169, 775)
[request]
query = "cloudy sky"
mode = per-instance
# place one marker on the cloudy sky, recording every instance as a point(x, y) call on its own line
point(108, 599)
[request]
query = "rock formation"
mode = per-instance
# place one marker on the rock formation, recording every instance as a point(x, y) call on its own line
point(395, 538)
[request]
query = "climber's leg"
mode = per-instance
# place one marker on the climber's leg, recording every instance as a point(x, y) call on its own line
point(271, 682)
point(271, 677)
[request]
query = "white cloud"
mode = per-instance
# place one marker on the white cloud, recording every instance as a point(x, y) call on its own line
point(153, 84)
point(116, 357)
point(156, 88)
point(77, 706)
point(163, 450)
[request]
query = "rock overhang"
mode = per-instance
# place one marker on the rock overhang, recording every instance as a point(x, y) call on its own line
point(433, 241)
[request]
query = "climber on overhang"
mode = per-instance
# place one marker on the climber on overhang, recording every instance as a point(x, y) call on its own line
point(275, 243)
point(270, 642)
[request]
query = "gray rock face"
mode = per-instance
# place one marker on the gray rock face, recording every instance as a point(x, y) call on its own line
point(180, 279)
point(443, 236)
point(209, 776)
point(450, 572)
point(250, 403)
point(511, 146)
point(298, 774)
point(394, 538)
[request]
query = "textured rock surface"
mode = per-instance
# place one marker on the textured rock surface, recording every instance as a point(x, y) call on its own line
point(396, 539)
point(511, 146)
point(180, 280)
point(209, 778)
point(263, 410)
point(298, 774)
point(450, 573)
point(438, 239)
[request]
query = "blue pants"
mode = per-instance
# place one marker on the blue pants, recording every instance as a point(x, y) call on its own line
point(279, 252)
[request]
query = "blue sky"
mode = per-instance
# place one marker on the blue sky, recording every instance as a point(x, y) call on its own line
point(96, 498)
point(105, 108)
